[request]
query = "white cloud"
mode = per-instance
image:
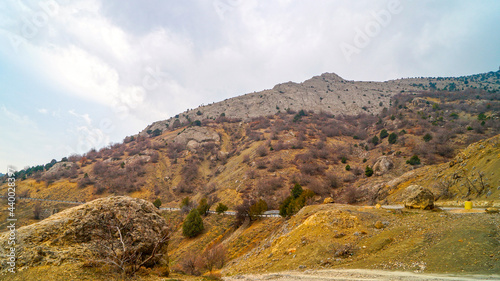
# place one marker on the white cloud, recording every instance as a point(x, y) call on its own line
point(143, 61)
point(14, 117)
point(85, 117)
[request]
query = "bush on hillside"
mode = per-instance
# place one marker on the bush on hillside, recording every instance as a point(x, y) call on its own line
point(414, 160)
point(293, 203)
point(157, 203)
point(193, 224)
point(393, 137)
point(221, 208)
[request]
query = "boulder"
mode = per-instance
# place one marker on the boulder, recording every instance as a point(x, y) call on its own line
point(383, 165)
point(328, 200)
point(418, 197)
point(193, 137)
point(379, 225)
point(492, 210)
point(74, 234)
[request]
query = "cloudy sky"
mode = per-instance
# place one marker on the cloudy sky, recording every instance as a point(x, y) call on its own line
point(83, 73)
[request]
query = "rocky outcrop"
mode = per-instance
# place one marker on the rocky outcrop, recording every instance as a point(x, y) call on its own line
point(72, 235)
point(418, 197)
point(59, 168)
point(327, 93)
point(193, 137)
point(383, 165)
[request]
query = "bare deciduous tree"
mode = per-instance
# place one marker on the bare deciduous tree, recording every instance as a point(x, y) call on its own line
point(115, 244)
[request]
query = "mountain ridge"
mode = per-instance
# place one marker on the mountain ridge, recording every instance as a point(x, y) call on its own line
point(328, 93)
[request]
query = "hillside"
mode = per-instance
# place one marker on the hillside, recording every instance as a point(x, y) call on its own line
point(230, 160)
point(320, 237)
point(360, 143)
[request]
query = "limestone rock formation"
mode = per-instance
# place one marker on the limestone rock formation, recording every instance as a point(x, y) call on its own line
point(70, 236)
point(383, 165)
point(327, 93)
point(193, 137)
point(418, 197)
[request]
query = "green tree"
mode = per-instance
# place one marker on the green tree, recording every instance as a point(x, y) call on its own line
point(414, 160)
point(343, 159)
point(481, 116)
point(258, 208)
point(297, 190)
point(193, 224)
point(368, 171)
point(291, 205)
point(347, 167)
point(221, 208)
point(393, 137)
point(156, 133)
point(203, 206)
point(375, 140)
point(186, 201)
point(284, 206)
point(384, 134)
point(427, 137)
point(157, 203)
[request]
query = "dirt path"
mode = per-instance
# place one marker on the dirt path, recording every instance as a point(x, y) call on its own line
point(357, 274)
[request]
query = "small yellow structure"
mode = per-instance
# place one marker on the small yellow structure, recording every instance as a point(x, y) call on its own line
point(468, 205)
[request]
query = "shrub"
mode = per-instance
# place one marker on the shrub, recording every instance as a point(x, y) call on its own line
point(427, 137)
point(393, 137)
point(84, 181)
point(186, 205)
point(221, 208)
point(414, 160)
point(351, 195)
point(157, 203)
point(193, 224)
point(384, 134)
point(191, 263)
point(214, 257)
point(154, 157)
point(374, 140)
point(292, 205)
point(243, 212)
point(297, 191)
point(311, 169)
point(257, 209)
point(275, 164)
point(203, 206)
point(332, 181)
point(261, 151)
point(156, 133)
point(343, 159)
point(368, 171)
point(319, 187)
point(347, 167)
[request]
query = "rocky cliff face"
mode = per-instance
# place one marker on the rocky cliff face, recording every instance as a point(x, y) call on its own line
point(325, 93)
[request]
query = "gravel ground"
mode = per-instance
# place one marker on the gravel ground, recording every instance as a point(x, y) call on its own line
point(357, 274)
